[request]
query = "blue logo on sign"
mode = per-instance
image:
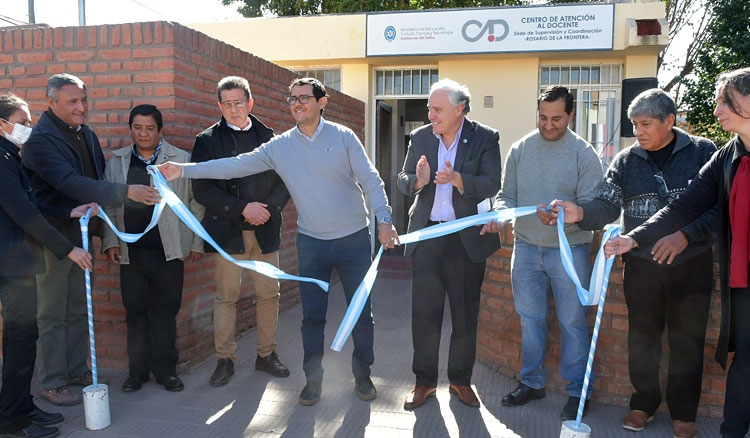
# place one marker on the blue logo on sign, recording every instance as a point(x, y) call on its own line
point(390, 33)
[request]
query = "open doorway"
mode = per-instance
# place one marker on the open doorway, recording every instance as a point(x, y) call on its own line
point(394, 120)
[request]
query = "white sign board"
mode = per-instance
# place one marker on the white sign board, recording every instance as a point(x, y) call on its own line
point(491, 30)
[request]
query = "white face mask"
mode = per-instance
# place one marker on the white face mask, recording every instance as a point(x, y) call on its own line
point(19, 134)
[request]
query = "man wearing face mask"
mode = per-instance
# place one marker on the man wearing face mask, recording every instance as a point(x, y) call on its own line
point(21, 257)
point(152, 268)
point(68, 165)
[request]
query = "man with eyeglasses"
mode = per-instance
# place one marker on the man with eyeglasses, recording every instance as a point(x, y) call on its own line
point(243, 215)
point(328, 174)
point(669, 283)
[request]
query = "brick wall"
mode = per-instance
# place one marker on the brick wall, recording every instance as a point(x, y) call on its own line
point(175, 68)
point(500, 337)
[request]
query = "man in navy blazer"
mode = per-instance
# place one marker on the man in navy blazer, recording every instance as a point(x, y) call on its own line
point(67, 166)
point(452, 168)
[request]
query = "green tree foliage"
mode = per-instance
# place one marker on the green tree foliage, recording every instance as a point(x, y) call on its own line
point(727, 47)
point(257, 8)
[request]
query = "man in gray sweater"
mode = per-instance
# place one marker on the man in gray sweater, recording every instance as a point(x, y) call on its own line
point(326, 170)
point(551, 162)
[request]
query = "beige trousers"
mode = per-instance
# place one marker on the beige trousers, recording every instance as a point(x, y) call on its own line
point(228, 286)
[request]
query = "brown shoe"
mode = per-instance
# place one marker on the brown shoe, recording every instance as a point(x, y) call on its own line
point(636, 420)
point(61, 396)
point(418, 396)
point(684, 429)
point(465, 394)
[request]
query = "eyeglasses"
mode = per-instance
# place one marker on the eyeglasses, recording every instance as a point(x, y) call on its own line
point(661, 185)
point(303, 98)
point(234, 104)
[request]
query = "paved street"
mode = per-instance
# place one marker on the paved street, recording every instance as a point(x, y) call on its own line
point(257, 405)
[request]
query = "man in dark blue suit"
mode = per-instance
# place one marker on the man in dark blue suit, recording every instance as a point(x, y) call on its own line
point(452, 168)
point(67, 166)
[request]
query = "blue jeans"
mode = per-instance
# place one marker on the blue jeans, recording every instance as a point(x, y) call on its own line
point(533, 270)
point(350, 255)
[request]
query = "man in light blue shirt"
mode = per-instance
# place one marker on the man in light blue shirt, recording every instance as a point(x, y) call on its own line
point(328, 174)
point(452, 166)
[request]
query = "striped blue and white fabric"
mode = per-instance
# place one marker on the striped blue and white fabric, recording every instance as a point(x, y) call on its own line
point(602, 265)
point(365, 287)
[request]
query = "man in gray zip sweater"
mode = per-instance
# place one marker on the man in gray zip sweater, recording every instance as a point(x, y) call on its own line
point(640, 181)
point(326, 170)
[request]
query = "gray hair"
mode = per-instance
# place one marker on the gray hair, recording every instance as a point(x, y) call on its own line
point(9, 104)
point(459, 94)
point(56, 82)
point(233, 83)
point(737, 80)
point(652, 103)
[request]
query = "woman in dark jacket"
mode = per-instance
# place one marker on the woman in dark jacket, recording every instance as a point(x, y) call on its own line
point(22, 228)
point(724, 180)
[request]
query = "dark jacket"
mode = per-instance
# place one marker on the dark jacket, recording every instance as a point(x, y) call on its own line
point(630, 185)
point(223, 219)
point(711, 187)
point(57, 175)
point(478, 161)
point(22, 225)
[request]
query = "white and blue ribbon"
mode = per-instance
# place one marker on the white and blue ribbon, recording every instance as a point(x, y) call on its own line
point(365, 287)
point(602, 265)
point(597, 286)
point(84, 220)
point(182, 212)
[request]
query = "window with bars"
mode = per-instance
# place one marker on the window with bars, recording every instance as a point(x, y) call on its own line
point(331, 78)
point(596, 89)
point(404, 82)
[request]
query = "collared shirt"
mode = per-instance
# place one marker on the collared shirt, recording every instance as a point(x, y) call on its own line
point(237, 128)
point(442, 207)
point(315, 134)
point(151, 160)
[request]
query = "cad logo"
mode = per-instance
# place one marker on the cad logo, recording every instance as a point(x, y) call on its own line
point(390, 33)
point(488, 27)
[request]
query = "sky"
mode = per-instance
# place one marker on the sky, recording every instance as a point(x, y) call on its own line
point(58, 13)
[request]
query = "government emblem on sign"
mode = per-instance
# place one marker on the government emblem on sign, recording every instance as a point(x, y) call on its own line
point(390, 33)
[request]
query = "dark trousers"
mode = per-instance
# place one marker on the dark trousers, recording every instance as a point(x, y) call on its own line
point(350, 255)
point(677, 297)
point(152, 295)
point(18, 297)
point(441, 266)
point(737, 398)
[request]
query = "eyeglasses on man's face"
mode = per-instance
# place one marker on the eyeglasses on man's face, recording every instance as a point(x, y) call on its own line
point(661, 184)
point(234, 103)
point(302, 98)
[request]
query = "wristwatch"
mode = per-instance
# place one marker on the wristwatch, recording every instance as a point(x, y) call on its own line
point(386, 220)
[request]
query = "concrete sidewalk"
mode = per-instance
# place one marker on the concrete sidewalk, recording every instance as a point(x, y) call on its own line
point(255, 404)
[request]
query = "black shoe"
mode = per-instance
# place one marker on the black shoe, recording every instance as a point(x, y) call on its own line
point(522, 395)
point(133, 383)
point(171, 383)
point(41, 418)
point(310, 394)
point(570, 410)
point(223, 372)
point(32, 431)
point(271, 365)
point(365, 388)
